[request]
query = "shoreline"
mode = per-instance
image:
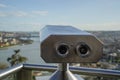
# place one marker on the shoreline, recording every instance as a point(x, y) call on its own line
point(6, 47)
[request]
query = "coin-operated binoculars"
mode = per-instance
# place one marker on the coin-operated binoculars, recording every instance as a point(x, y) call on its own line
point(66, 44)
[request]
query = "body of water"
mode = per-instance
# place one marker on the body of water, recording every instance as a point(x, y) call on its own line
point(31, 51)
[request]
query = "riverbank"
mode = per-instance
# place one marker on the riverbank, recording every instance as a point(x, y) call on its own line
point(31, 51)
point(21, 42)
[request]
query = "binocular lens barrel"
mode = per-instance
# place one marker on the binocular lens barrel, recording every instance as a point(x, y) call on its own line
point(83, 49)
point(62, 50)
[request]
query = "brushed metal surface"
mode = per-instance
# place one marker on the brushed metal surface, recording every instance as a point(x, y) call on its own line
point(76, 70)
point(8, 71)
point(63, 73)
point(51, 36)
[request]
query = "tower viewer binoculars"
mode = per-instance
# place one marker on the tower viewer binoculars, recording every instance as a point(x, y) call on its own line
point(66, 44)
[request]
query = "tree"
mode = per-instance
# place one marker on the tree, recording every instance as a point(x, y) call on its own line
point(16, 58)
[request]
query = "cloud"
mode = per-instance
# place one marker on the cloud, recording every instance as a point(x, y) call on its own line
point(31, 24)
point(23, 13)
point(101, 26)
point(20, 26)
point(3, 5)
point(19, 14)
point(2, 14)
point(42, 13)
point(13, 14)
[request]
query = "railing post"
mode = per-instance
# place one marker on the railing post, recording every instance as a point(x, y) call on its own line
point(63, 73)
point(24, 75)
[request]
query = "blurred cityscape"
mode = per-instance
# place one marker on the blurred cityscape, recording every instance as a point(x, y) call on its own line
point(110, 39)
point(14, 38)
point(111, 50)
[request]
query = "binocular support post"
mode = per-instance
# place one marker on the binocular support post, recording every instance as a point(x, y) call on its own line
point(63, 73)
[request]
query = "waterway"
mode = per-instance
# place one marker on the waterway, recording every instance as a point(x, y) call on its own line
point(31, 51)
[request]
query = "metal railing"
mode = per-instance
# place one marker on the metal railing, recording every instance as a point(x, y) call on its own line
point(24, 71)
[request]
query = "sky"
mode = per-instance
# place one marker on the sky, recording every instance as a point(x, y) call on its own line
point(32, 15)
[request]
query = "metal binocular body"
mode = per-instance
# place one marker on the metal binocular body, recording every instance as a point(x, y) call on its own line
point(66, 44)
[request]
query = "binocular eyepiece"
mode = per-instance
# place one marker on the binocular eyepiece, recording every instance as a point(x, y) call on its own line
point(81, 49)
point(66, 44)
point(62, 50)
